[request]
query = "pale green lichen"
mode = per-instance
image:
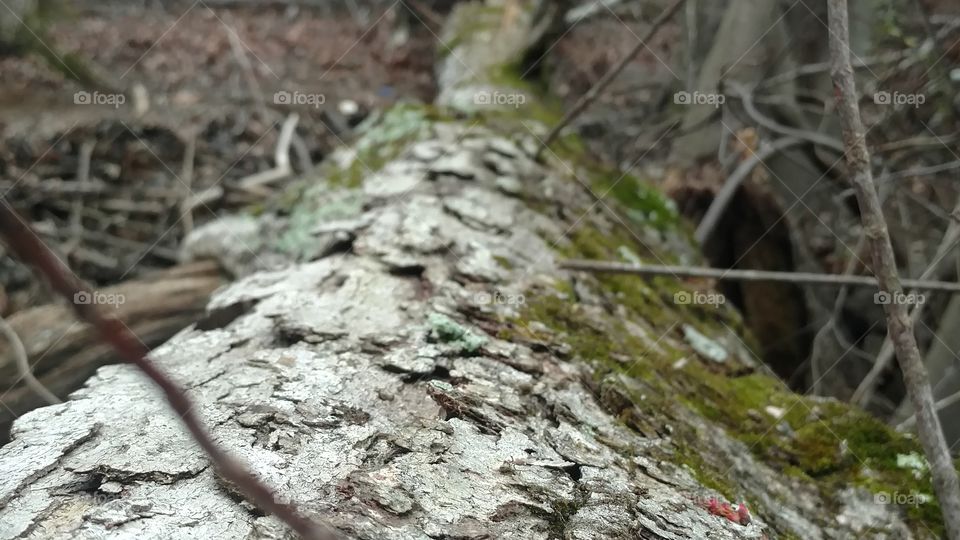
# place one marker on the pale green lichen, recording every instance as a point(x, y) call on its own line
point(313, 209)
point(628, 255)
point(446, 330)
point(382, 138)
point(914, 461)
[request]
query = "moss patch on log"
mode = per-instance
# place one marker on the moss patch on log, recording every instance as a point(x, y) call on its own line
point(823, 442)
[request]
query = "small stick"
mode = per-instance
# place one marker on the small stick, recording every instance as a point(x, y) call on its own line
point(911, 420)
point(26, 245)
point(746, 96)
point(281, 159)
point(241, 56)
point(83, 178)
point(587, 99)
point(186, 177)
point(611, 267)
point(23, 364)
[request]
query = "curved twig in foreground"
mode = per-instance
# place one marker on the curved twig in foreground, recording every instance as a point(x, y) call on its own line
point(26, 245)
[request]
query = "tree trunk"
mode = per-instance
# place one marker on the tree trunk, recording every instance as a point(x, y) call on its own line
point(403, 358)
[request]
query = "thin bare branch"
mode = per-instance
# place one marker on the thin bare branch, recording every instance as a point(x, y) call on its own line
point(26, 245)
point(23, 364)
point(281, 159)
point(596, 90)
point(726, 193)
point(611, 267)
point(899, 323)
point(867, 387)
point(940, 405)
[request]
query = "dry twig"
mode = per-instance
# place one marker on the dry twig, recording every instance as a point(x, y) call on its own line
point(587, 99)
point(26, 245)
point(186, 178)
point(281, 158)
point(23, 364)
point(610, 267)
point(899, 323)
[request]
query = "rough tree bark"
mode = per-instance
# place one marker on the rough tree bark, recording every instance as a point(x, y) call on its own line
point(402, 358)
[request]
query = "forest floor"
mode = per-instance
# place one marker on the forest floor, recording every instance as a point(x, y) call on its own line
point(198, 85)
point(178, 57)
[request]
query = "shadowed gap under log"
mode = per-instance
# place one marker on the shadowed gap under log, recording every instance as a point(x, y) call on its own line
point(752, 235)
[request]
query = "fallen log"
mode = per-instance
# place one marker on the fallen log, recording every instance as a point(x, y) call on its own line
point(403, 357)
point(63, 353)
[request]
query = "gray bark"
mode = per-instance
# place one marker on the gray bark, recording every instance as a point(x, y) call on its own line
point(371, 387)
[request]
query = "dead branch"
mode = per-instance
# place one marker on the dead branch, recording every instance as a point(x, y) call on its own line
point(282, 169)
point(186, 178)
point(596, 90)
point(865, 390)
point(746, 96)
point(899, 323)
point(239, 53)
point(940, 405)
point(26, 245)
point(23, 364)
point(610, 267)
point(64, 354)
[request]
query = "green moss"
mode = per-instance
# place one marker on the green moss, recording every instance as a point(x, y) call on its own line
point(561, 316)
point(688, 455)
point(503, 262)
point(824, 443)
